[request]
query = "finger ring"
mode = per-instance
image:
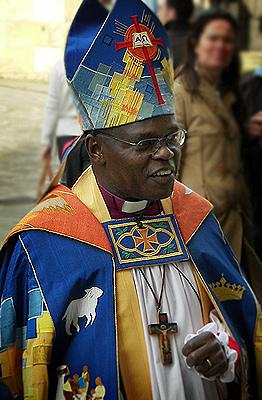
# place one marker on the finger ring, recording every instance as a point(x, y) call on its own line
point(209, 363)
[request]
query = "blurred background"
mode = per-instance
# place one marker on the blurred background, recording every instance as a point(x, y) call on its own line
point(32, 37)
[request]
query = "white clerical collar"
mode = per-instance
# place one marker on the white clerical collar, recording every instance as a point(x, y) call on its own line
point(132, 207)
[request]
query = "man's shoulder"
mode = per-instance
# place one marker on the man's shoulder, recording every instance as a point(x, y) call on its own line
point(185, 196)
point(61, 212)
point(190, 209)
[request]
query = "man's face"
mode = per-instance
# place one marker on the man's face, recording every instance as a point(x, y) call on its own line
point(133, 175)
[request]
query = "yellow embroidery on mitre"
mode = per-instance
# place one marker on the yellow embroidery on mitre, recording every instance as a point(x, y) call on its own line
point(225, 291)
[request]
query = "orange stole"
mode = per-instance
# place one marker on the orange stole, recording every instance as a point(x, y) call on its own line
point(63, 213)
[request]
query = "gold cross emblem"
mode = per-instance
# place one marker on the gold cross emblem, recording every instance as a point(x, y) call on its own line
point(145, 239)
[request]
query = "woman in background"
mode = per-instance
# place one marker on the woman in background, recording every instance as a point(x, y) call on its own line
point(206, 90)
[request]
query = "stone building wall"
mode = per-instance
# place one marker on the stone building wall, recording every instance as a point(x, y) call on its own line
point(32, 36)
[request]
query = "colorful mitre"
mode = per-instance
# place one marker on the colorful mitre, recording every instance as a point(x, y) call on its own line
point(118, 64)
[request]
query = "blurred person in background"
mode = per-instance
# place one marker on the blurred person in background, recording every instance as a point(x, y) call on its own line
point(108, 4)
point(251, 90)
point(206, 92)
point(60, 118)
point(175, 16)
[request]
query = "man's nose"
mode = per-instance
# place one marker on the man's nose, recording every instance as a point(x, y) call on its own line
point(163, 153)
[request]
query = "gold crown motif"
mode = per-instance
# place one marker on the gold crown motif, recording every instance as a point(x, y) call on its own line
point(227, 291)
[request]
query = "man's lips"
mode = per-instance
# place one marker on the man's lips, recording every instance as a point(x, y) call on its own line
point(163, 176)
point(167, 172)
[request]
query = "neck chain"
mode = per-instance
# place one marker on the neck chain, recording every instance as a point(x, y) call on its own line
point(162, 328)
point(188, 281)
point(140, 223)
point(158, 301)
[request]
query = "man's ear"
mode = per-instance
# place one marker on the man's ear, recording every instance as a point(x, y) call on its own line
point(94, 149)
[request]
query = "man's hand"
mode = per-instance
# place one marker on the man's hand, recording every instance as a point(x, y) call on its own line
point(202, 348)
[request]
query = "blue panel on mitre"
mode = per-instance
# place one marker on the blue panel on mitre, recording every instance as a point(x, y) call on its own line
point(121, 73)
point(84, 28)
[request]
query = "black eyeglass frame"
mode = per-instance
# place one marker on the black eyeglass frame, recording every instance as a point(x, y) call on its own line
point(159, 141)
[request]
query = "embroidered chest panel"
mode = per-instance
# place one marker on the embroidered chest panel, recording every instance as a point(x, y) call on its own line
point(153, 240)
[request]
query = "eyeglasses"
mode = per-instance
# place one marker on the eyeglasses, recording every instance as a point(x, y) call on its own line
point(150, 146)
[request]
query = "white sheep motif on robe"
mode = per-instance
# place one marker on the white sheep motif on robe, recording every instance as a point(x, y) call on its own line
point(83, 307)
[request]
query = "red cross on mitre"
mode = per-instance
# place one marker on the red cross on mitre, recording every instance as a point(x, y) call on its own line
point(142, 44)
point(145, 239)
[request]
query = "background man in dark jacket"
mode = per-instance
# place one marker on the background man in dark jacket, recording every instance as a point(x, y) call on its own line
point(251, 90)
point(175, 16)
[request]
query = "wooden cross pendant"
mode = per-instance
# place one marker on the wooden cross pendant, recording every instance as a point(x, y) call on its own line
point(163, 329)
